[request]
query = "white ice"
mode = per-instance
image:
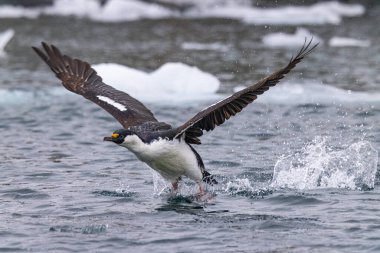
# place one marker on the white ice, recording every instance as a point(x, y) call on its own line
point(315, 93)
point(320, 13)
point(295, 40)
point(348, 42)
point(330, 12)
point(198, 87)
point(170, 83)
point(205, 46)
point(5, 37)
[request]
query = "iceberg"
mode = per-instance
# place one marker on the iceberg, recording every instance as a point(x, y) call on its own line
point(5, 37)
point(296, 40)
point(172, 82)
point(330, 12)
point(348, 42)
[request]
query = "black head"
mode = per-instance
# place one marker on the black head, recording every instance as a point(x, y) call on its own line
point(118, 136)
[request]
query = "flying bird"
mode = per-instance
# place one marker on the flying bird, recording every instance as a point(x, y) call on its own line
point(165, 148)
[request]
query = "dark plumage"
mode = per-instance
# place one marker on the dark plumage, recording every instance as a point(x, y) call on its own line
point(78, 76)
point(216, 114)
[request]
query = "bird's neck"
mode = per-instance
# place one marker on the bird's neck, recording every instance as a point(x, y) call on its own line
point(134, 144)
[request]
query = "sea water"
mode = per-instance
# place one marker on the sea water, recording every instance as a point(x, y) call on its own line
point(297, 169)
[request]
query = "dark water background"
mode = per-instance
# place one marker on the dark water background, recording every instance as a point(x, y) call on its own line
point(63, 190)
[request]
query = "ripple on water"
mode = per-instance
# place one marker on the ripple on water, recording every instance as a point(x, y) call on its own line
point(295, 199)
point(262, 136)
point(255, 222)
point(243, 187)
point(88, 229)
point(181, 208)
point(115, 193)
point(256, 174)
point(42, 176)
point(56, 157)
point(11, 249)
point(24, 193)
point(223, 163)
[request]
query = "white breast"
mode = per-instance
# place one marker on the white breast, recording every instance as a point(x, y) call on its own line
point(171, 159)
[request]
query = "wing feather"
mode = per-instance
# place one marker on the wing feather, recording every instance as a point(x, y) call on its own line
point(217, 114)
point(77, 76)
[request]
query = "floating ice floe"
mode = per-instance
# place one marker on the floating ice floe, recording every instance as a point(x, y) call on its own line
point(181, 88)
point(314, 93)
point(289, 40)
point(318, 166)
point(112, 11)
point(5, 37)
point(205, 46)
point(319, 13)
point(170, 83)
point(120, 10)
point(11, 11)
point(348, 42)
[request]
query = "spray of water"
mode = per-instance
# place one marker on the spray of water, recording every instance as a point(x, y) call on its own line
point(319, 166)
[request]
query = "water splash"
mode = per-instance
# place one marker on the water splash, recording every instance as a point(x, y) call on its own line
point(319, 166)
point(243, 187)
point(186, 187)
point(160, 185)
point(95, 229)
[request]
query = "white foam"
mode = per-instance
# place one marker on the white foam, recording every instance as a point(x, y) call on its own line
point(120, 10)
point(239, 185)
point(172, 82)
point(203, 46)
point(315, 93)
point(5, 37)
point(348, 42)
point(289, 40)
point(160, 185)
point(318, 166)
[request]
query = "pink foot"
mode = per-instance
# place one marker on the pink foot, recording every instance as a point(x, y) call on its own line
point(202, 190)
point(175, 187)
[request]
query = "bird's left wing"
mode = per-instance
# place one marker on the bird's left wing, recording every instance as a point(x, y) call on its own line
point(77, 76)
point(218, 113)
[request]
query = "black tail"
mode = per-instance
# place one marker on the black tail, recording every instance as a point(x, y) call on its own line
point(208, 178)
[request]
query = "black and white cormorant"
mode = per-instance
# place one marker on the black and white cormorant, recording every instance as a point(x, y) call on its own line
point(165, 148)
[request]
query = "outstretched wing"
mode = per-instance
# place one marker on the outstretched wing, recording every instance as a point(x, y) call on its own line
point(78, 76)
point(218, 113)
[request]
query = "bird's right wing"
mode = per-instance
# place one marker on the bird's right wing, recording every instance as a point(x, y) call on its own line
point(77, 76)
point(218, 113)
